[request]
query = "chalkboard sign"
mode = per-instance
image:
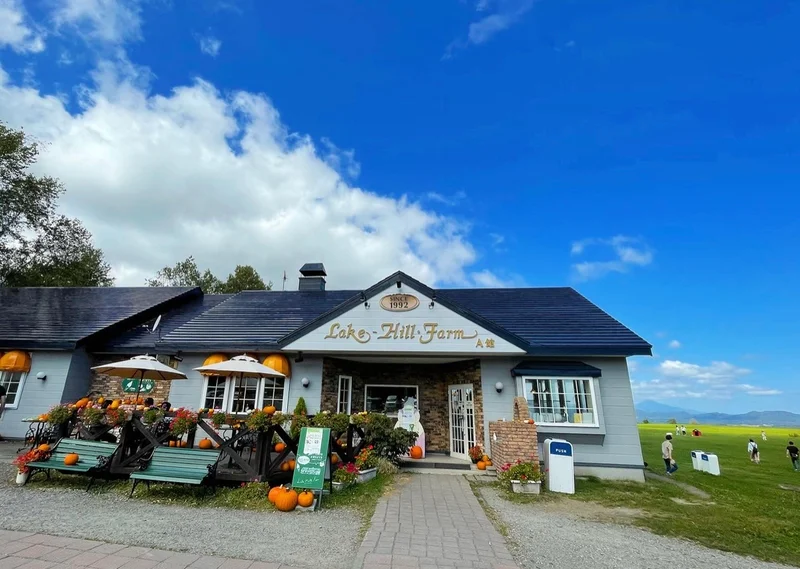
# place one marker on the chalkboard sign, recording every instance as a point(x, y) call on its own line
point(312, 456)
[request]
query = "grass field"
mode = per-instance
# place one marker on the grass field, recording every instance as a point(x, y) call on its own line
point(747, 512)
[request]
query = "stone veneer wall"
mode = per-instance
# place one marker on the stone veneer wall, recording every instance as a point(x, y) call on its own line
point(514, 440)
point(111, 387)
point(432, 381)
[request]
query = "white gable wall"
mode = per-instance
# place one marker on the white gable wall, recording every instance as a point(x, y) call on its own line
point(423, 330)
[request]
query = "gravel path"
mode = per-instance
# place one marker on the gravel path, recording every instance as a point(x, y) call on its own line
point(327, 539)
point(543, 539)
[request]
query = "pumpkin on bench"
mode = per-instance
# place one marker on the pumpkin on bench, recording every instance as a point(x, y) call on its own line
point(179, 466)
point(76, 456)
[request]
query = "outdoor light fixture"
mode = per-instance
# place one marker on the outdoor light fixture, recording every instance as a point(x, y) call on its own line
point(499, 386)
point(299, 357)
point(305, 382)
point(433, 302)
point(41, 375)
point(364, 300)
point(399, 284)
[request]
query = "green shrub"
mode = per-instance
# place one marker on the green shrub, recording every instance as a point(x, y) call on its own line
point(336, 422)
point(300, 408)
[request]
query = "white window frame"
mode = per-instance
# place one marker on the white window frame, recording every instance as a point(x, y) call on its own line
point(228, 396)
point(368, 385)
point(349, 379)
point(15, 405)
point(521, 381)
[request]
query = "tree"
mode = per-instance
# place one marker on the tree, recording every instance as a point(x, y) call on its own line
point(693, 422)
point(186, 273)
point(645, 421)
point(673, 422)
point(37, 246)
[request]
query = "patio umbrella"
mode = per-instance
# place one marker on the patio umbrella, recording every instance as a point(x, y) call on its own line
point(140, 367)
point(241, 367)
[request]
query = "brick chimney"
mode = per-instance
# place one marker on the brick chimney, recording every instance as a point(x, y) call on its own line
point(313, 277)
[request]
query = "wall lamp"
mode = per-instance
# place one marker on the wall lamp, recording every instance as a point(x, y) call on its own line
point(299, 357)
point(305, 382)
point(364, 300)
point(499, 386)
point(399, 284)
point(41, 375)
point(433, 301)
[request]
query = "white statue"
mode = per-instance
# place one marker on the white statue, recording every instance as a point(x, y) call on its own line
point(408, 418)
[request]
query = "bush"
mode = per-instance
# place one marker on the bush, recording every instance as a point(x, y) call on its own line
point(673, 422)
point(59, 415)
point(522, 471)
point(386, 467)
point(300, 408)
point(391, 443)
point(336, 422)
point(298, 422)
point(645, 421)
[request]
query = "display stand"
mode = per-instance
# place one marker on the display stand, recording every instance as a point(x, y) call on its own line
point(408, 418)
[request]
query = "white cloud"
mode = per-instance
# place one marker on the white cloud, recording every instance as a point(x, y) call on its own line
point(499, 15)
point(16, 31)
point(159, 177)
point(718, 380)
point(210, 45)
point(452, 199)
point(674, 344)
point(105, 21)
point(627, 251)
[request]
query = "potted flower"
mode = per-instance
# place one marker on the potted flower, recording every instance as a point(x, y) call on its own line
point(367, 464)
point(59, 417)
point(525, 477)
point(116, 417)
point(218, 418)
point(344, 476)
point(152, 415)
point(184, 422)
point(475, 454)
point(21, 462)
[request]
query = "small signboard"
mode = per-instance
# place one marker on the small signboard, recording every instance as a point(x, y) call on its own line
point(312, 457)
point(132, 385)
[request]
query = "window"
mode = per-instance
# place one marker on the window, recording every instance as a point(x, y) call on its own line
point(273, 392)
point(242, 395)
point(557, 401)
point(388, 399)
point(12, 381)
point(345, 391)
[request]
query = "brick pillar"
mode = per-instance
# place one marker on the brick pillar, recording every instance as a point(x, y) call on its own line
point(516, 439)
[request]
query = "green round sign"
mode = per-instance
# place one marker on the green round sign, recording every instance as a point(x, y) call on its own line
point(132, 385)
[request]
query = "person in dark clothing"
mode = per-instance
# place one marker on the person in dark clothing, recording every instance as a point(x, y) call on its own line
point(794, 453)
point(149, 403)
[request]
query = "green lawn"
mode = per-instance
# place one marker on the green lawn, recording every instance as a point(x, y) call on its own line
point(749, 513)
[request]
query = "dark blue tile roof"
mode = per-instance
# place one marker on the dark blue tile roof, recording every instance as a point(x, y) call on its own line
point(60, 318)
point(548, 368)
point(253, 320)
point(553, 321)
point(140, 338)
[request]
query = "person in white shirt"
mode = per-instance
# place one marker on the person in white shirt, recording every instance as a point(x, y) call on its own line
point(763, 435)
point(752, 450)
point(666, 454)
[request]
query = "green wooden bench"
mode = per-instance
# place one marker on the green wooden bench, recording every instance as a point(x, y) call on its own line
point(95, 458)
point(179, 466)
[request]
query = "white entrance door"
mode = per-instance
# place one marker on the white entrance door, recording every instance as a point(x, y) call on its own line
point(462, 420)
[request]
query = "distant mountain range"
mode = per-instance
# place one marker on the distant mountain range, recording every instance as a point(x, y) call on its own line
point(656, 412)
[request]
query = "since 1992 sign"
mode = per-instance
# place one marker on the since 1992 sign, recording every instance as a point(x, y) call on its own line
point(399, 302)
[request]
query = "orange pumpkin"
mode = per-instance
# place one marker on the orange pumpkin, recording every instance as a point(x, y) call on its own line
point(416, 452)
point(172, 443)
point(43, 417)
point(205, 444)
point(485, 458)
point(481, 465)
point(81, 403)
point(334, 459)
point(280, 447)
point(286, 500)
point(140, 401)
point(285, 466)
point(71, 459)
point(44, 448)
point(273, 493)
point(184, 444)
point(305, 499)
point(292, 464)
point(269, 409)
point(488, 463)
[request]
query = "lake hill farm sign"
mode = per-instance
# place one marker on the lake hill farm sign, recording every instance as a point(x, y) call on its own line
point(422, 325)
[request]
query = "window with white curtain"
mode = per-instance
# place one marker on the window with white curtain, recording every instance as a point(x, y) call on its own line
point(560, 400)
point(345, 393)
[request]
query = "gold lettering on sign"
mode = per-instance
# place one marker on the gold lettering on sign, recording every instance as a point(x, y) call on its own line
point(399, 302)
point(398, 331)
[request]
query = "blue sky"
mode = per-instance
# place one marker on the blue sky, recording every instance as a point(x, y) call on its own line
point(643, 152)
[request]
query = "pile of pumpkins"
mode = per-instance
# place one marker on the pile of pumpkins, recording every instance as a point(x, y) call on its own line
point(287, 465)
point(286, 499)
point(484, 462)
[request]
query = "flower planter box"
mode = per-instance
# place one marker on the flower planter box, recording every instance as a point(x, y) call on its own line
point(22, 477)
point(366, 475)
point(339, 486)
point(519, 487)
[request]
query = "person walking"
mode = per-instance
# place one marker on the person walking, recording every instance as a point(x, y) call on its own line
point(794, 453)
point(666, 454)
point(763, 435)
point(683, 430)
point(752, 450)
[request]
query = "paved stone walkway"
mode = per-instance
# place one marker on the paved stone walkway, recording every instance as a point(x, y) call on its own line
point(433, 521)
point(24, 550)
